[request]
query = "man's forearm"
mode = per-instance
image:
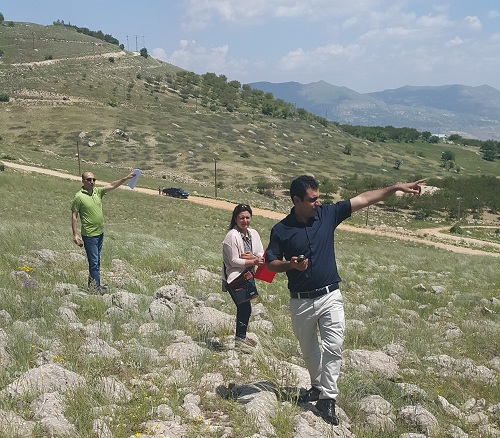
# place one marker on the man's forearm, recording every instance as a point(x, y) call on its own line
point(117, 183)
point(74, 223)
point(278, 266)
point(373, 196)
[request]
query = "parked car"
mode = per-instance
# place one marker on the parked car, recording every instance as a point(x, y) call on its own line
point(176, 192)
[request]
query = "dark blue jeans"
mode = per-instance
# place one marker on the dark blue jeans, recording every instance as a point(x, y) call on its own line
point(93, 246)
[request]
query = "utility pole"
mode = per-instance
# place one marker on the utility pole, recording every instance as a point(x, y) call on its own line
point(458, 209)
point(78, 155)
point(136, 46)
point(128, 47)
point(215, 175)
point(143, 43)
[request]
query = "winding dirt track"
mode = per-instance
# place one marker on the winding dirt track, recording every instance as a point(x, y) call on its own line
point(422, 236)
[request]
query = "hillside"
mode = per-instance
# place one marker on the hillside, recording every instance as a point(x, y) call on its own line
point(468, 111)
point(70, 93)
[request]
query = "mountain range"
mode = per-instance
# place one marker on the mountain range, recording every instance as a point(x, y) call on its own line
point(471, 112)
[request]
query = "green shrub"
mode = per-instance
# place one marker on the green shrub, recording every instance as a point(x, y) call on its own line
point(4, 97)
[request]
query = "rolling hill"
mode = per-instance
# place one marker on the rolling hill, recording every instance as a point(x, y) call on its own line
point(70, 95)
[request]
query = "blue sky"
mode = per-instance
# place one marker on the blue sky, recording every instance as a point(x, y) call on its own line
point(365, 45)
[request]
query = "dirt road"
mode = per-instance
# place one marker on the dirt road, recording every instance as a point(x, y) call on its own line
point(423, 236)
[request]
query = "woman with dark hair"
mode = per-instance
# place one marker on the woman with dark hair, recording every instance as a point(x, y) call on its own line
point(242, 250)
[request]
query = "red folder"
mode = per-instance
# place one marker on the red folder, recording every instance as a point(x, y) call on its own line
point(263, 274)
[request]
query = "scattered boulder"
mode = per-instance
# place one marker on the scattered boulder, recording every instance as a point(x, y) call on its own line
point(46, 378)
point(378, 413)
point(372, 361)
point(420, 418)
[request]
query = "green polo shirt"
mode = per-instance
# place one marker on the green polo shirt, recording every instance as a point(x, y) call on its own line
point(89, 208)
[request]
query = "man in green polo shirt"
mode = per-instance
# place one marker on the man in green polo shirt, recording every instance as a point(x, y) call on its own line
point(87, 204)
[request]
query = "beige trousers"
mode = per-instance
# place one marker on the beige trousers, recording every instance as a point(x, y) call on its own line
point(323, 316)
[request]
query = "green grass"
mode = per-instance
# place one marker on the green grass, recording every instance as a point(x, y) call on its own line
point(163, 241)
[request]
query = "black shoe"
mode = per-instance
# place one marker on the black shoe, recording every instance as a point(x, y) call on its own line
point(98, 290)
point(310, 395)
point(102, 290)
point(326, 408)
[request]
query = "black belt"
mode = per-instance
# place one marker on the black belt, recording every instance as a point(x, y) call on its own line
point(316, 292)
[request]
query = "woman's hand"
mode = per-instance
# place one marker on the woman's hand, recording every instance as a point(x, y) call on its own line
point(255, 260)
point(259, 261)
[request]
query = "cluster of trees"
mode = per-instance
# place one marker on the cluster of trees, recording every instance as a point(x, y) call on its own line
point(456, 197)
point(382, 134)
point(215, 91)
point(96, 34)
point(489, 148)
point(2, 19)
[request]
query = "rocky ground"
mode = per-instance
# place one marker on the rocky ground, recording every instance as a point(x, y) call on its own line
point(52, 380)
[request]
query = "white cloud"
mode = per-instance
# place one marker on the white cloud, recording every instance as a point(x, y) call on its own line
point(205, 11)
point(193, 57)
point(318, 57)
point(202, 13)
point(493, 14)
point(457, 41)
point(398, 31)
point(495, 38)
point(473, 22)
point(434, 21)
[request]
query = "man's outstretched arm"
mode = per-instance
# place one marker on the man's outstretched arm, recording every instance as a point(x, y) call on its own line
point(371, 197)
point(118, 182)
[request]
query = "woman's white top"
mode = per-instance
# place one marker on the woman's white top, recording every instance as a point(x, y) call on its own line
point(233, 247)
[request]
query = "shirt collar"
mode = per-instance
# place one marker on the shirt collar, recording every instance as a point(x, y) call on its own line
point(242, 234)
point(309, 221)
point(85, 191)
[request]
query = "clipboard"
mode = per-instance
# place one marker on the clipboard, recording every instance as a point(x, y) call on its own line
point(262, 273)
point(132, 182)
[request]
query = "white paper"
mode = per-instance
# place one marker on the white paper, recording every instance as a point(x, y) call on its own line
point(132, 182)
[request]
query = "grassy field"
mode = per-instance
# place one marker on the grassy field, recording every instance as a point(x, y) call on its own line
point(164, 241)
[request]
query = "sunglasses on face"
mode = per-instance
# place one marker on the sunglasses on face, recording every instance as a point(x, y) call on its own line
point(90, 179)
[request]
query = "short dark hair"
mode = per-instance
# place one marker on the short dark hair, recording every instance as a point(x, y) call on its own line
point(237, 210)
point(299, 186)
